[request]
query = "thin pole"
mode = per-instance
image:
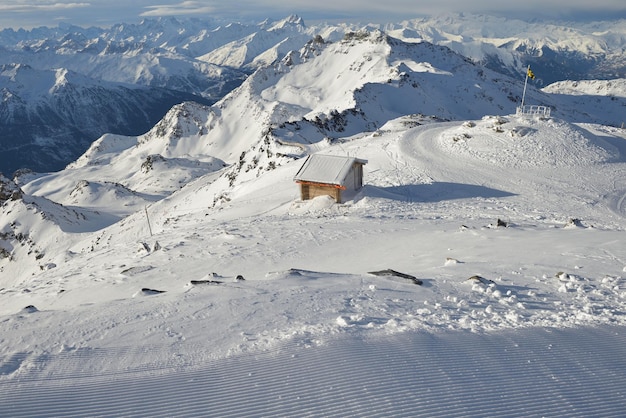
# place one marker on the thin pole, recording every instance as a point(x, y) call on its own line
point(148, 218)
point(525, 83)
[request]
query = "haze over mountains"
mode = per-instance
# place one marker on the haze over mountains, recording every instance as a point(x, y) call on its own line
point(134, 73)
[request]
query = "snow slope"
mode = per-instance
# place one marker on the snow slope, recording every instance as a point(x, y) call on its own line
point(506, 322)
point(479, 271)
point(611, 88)
point(418, 374)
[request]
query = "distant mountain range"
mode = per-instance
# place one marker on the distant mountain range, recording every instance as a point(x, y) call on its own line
point(49, 117)
point(64, 87)
point(556, 50)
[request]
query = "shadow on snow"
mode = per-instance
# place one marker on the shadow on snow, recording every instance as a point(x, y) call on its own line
point(434, 192)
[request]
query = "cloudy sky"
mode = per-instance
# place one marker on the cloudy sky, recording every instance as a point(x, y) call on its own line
point(31, 13)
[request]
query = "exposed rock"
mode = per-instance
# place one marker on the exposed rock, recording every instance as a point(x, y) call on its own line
point(451, 261)
point(133, 271)
point(390, 272)
point(146, 166)
point(197, 282)
point(480, 279)
point(9, 190)
point(574, 223)
point(147, 291)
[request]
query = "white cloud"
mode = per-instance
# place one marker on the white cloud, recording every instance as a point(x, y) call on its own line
point(183, 8)
point(30, 7)
point(396, 10)
point(29, 13)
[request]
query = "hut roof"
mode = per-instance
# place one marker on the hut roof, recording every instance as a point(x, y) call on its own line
point(327, 169)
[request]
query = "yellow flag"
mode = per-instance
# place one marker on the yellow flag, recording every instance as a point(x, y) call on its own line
point(531, 74)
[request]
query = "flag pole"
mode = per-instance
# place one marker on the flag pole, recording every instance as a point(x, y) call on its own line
point(525, 83)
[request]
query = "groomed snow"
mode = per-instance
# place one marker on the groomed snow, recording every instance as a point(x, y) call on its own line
point(521, 317)
point(530, 373)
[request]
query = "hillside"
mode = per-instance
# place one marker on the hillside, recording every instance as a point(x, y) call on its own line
point(479, 271)
point(303, 104)
point(167, 304)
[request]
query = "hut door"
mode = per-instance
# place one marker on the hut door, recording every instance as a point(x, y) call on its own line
point(358, 176)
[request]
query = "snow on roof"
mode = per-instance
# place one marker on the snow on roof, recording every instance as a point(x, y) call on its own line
point(329, 169)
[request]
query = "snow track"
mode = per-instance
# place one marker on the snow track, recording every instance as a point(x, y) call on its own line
point(531, 373)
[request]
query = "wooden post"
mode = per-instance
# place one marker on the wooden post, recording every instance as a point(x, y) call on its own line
point(148, 219)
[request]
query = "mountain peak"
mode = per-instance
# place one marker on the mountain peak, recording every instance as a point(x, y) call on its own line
point(295, 19)
point(292, 21)
point(9, 190)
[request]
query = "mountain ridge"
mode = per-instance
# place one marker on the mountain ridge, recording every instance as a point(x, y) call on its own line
point(50, 117)
point(313, 100)
point(203, 60)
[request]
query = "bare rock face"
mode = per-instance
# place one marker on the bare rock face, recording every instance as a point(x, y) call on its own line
point(9, 190)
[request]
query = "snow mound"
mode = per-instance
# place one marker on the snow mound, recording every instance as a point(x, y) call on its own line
point(103, 150)
point(616, 87)
point(317, 205)
point(525, 142)
point(302, 275)
point(95, 194)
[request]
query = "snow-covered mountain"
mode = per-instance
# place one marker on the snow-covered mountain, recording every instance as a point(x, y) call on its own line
point(182, 262)
point(609, 88)
point(156, 52)
point(162, 58)
point(49, 117)
point(208, 58)
point(557, 51)
point(308, 101)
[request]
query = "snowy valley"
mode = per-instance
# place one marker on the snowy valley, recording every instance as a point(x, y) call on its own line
point(480, 271)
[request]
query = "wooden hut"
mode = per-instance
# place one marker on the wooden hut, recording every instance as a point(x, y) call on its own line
point(332, 175)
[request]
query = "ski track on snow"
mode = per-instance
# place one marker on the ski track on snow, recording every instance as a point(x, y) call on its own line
point(531, 373)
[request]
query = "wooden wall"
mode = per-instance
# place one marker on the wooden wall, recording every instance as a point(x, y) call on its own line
point(310, 191)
